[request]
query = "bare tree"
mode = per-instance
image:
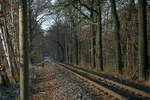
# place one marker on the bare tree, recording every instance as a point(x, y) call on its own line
point(99, 38)
point(142, 39)
point(117, 36)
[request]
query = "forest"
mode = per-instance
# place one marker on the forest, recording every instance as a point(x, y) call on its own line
point(104, 36)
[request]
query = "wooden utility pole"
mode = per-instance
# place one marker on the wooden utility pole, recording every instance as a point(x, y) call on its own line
point(23, 48)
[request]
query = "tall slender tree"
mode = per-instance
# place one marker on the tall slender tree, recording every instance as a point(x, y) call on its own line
point(142, 39)
point(99, 39)
point(117, 36)
point(23, 45)
point(30, 29)
point(93, 36)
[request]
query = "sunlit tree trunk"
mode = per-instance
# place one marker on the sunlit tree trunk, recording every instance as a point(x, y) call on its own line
point(142, 39)
point(4, 39)
point(23, 45)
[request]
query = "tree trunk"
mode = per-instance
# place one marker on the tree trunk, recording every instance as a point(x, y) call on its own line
point(58, 39)
point(142, 39)
point(99, 40)
point(66, 52)
point(117, 36)
point(4, 39)
point(93, 38)
point(76, 47)
point(23, 45)
point(1, 85)
point(30, 31)
point(70, 44)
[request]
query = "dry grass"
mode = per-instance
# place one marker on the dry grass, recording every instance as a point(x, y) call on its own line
point(130, 75)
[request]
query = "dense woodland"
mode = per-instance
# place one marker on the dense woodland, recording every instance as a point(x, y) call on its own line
point(108, 36)
point(100, 36)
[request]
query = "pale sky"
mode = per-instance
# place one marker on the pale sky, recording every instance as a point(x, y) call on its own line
point(48, 20)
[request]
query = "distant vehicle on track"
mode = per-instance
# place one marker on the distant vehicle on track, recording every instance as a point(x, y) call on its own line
point(47, 58)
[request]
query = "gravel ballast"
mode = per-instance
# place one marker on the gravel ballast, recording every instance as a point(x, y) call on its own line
point(50, 83)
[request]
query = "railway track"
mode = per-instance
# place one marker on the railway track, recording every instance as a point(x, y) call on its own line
point(114, 89)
